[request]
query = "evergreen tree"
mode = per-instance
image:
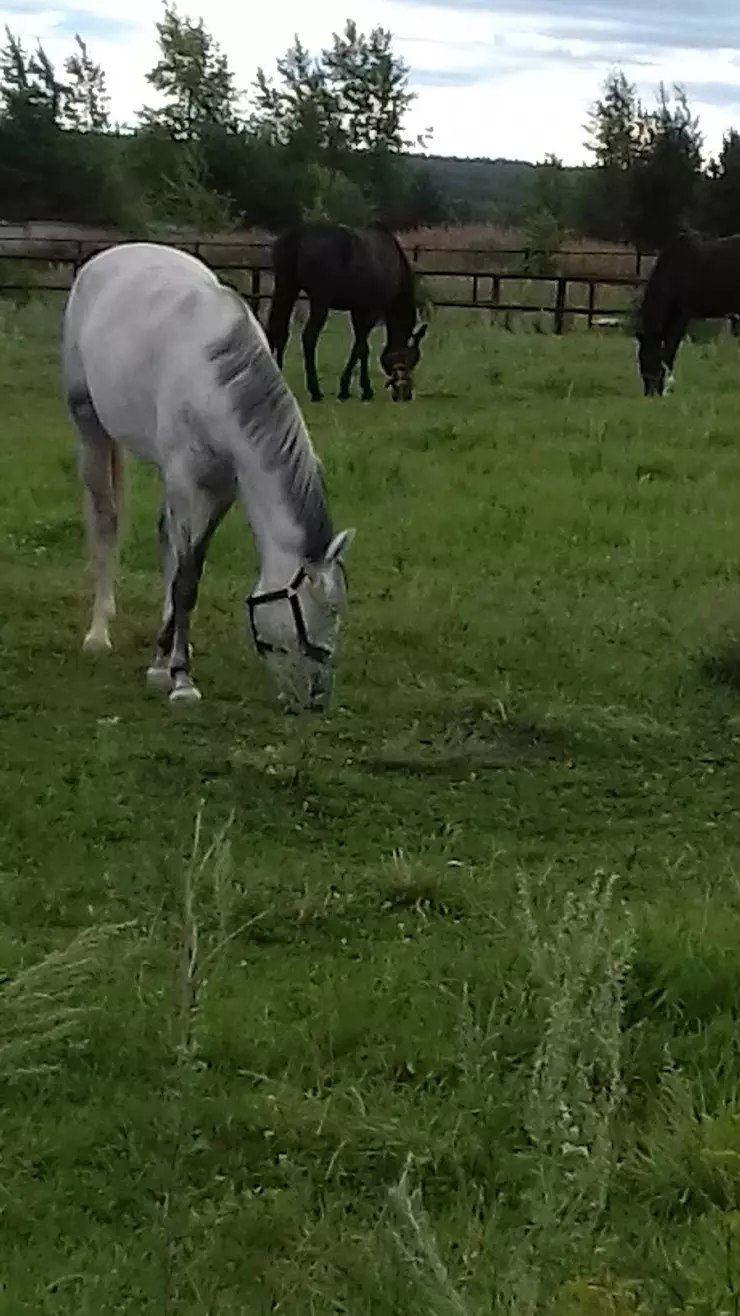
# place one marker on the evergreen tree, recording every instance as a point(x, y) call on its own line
point(667, 172)
point(548, 215)
point(426, 202)
point(721, 211)
point(299, 111)
point(193, 76)
point(86, 103)
point(616, 132)
point(28, 82)
point(369, 87)
point(47, 89)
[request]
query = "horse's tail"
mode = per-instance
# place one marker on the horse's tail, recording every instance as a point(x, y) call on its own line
point(285, 288)
point(285, 252)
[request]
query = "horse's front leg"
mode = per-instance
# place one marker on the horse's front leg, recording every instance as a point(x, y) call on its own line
point(158, 672)
point(364, 351)
point(184, 599)
point(672, 343)
point(184, 543)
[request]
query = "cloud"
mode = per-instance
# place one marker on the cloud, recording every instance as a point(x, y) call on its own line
point(625, 24)
point(719, 94)
point(21, 7)
point(450, 77)
point(91, 26)
point(492, 79)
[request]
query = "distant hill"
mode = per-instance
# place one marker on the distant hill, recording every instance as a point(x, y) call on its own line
point(484, 191)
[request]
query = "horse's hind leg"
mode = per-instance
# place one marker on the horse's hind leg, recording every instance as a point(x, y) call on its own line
point(278, 320)
point(317, 319)
point(100, 468)
point(187, 524)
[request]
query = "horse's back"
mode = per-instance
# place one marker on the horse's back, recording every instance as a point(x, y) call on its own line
point(717, 282)
point(141, 282)
point(695, 276)
point(138, 325)
point(345, 268)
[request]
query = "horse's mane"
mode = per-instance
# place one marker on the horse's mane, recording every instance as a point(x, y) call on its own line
point(268, 414)
point(406, 296)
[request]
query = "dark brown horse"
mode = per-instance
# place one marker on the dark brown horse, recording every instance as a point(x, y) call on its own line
point(361, 270)
point(693, 279)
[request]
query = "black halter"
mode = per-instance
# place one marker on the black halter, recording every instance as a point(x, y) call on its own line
point(317, 652)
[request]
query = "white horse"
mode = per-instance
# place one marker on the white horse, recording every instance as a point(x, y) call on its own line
point(161, 359)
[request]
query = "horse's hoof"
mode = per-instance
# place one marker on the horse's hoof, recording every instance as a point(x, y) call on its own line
point(185, 693)
point(158, 677)
point(368, 397)
point(95, 642)
point(342, 397)
point(317, 397)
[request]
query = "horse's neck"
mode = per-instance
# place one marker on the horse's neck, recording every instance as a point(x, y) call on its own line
point(400, 320)
point(278, 538)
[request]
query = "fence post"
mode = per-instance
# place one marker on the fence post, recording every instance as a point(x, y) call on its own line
point(638, 262)
point(562, 287)
point(591, 304)
point(254, 291)
point(475, 290)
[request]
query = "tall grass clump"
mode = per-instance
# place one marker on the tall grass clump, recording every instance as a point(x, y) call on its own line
point(577, 968)
point(50, 1002)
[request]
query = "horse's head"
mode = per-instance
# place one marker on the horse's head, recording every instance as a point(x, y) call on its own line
point(651, 364)
point(399, 364)
point(295, 628)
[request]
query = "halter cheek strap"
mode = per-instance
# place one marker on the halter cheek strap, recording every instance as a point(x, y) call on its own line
point(289, 594)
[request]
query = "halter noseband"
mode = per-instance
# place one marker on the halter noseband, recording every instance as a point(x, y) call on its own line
point(319, 653)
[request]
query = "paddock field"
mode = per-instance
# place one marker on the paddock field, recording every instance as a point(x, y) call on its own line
point(484, 915)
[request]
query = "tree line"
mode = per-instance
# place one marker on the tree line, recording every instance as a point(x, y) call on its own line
point(322, 136)
point(649, 178)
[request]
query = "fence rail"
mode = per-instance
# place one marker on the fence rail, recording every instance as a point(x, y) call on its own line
point(257, 293)
point(10, 244)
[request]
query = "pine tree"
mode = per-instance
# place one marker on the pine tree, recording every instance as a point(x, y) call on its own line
point(722, 188)
point(616, 130)
point(28, 82)
point(615, 124)
point(298, 110)
point(86, 102)
point(667, 172)
point(369, 86)
point(194, 76)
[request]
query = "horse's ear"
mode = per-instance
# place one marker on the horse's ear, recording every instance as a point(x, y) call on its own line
point(338, 546)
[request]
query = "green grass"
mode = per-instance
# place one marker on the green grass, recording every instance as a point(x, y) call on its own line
point(399, 949)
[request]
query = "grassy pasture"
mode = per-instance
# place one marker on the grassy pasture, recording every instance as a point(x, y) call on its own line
point(396, 946)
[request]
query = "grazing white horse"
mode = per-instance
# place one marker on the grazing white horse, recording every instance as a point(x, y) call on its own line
point(162, 359)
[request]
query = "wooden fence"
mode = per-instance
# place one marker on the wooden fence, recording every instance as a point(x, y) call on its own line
point(74, 254)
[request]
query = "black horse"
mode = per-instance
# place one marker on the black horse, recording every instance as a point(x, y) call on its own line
point(361, 270)
point(693, 279)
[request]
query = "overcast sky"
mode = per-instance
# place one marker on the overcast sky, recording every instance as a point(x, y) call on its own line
point(493, 78)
